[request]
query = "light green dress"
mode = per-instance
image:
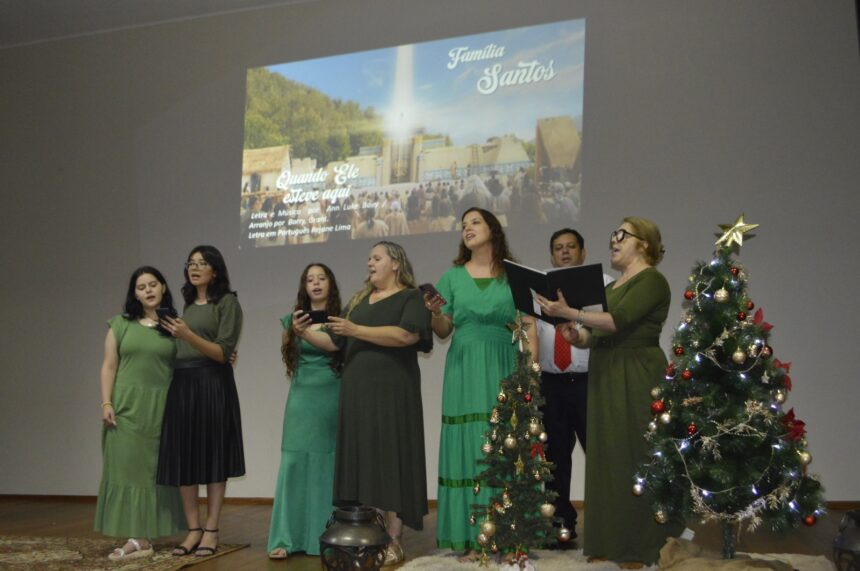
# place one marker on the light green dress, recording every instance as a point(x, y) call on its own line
point(623, 367)
point(130, 504)
point(481, 355)
point(303, 493)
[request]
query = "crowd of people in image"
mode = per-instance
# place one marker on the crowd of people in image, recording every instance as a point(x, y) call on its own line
point(353, 427)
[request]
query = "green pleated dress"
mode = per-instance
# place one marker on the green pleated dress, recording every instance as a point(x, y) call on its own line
point(130, 504)
point(481, 354)
point(623, 367)
point(303, 493)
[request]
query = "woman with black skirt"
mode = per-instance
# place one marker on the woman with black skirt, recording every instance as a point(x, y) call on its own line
point(201, 438)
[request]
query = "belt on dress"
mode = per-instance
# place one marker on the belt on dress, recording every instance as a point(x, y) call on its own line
point(197, 363)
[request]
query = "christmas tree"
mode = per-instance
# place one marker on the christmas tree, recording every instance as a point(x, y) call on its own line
point(520, 515)
point(724, 449)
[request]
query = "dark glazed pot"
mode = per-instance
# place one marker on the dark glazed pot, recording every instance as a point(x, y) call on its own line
point(355, 538)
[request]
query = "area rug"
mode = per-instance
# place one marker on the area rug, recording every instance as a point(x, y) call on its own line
point(84, 554)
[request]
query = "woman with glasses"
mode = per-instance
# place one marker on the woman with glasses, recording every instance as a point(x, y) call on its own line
point(625, 363)
point(135, 376)
point(201, 438)
point(379, 456)
point(476, 305)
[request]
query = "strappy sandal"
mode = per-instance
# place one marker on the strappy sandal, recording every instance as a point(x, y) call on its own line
point(180, 550)
point(206, 551)
point(278, 554)
point(393, 554)
point(120, 553)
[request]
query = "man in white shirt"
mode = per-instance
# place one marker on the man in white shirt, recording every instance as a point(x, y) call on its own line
point(564, 384)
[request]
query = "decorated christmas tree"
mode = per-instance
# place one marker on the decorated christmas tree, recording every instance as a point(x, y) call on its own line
point(520, 515)
point(724, 450)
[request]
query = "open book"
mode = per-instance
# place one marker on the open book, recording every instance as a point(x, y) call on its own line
point(582, 287)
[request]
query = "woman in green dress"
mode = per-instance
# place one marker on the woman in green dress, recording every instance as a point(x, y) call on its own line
point(475, 303)
point(379, 458)
point(303, 500)
point(135, 376)
point(625, 363)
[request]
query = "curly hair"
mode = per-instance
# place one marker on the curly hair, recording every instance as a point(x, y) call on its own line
point(499, 243)
point(290, 344)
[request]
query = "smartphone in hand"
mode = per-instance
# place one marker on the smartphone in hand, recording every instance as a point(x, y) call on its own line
point(430, 291)
point(163, 312)
point(318, 316)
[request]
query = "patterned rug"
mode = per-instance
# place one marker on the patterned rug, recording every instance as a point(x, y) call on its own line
point(83, 554)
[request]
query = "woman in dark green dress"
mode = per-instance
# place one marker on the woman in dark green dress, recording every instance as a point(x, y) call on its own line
point(379, 458)
point(625, 363)
point(135, 376)
point(303, 491)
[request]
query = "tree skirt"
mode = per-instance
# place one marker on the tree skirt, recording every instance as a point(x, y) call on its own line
point(84, 554)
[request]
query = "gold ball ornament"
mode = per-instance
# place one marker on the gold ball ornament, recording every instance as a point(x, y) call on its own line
point(652, 426)
point(721, 295)
point(563, 534)
point(665, 418)
point(510, 442)
point(660, 517)
point(536, 367)
point(482, 539)
point(488, 528)
point(502, 397)
point(487, 448)
point(739, 357)
point(779, 396)
point(805, 457)
point(638, 489)
point(543, 437)
point(534, 427)
point(656, 392)
point(547, 510)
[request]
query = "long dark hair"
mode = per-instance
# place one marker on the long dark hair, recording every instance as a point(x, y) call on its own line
point(133, 309)
point(218, 287)
point(501, 251)
point(290, 346)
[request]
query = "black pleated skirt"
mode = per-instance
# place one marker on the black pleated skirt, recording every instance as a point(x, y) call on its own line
point(201, 434)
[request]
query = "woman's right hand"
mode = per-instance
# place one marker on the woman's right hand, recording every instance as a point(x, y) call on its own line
point(301, 322)
point(569, 332)
point(434, 304)
point(108, 416)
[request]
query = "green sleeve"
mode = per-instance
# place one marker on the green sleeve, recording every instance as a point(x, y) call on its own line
point(446, 289)
point(416, 319)
point(287, 320)
point(229, 324)
point(118, 324)
point(643, 297)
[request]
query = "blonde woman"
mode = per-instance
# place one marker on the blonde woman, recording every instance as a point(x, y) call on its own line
point(379, 457)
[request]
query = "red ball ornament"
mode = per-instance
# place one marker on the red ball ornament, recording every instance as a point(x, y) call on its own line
point(750, 305)
point(657, 407)
point(527, 397)
point(735, 271)
point(691, 430)
point(809, 520)
point(670, 370)
point(766, 351)
point(679, 350)
point(687, 374)
point(742, 315)
point(689, 295)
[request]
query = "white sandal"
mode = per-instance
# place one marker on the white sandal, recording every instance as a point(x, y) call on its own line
point(120, 552)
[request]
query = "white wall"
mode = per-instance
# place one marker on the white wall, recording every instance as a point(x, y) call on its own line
point(125, 148)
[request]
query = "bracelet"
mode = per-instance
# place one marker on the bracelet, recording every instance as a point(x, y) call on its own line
point(107, 403)
point(578, 319)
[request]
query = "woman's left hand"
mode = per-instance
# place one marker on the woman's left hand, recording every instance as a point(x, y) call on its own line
point(341, 326)
point(555, 308)
point(176, 327)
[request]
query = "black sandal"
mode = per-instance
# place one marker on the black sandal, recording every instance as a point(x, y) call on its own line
point(182, 550)
point(209, 550)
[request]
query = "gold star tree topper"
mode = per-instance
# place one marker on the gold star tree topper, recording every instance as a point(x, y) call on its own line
point(734, 233)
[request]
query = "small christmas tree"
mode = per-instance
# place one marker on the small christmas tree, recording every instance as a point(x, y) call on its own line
point(724, 450)
point(520, 515)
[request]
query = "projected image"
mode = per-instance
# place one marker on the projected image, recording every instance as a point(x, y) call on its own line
point(402, 140)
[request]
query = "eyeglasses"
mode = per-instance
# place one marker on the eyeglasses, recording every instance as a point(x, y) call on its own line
point(201, 265)
point(620, 234)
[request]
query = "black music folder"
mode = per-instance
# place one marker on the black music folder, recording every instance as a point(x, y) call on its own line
point(582, 287)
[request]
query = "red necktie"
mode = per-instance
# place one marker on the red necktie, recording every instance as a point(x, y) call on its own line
point(561, 355)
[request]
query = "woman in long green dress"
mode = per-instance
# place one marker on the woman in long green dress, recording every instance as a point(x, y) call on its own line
point(303, 501)
point(476, 304)
point(379, 458)
point(625, 363)
point(135, 376)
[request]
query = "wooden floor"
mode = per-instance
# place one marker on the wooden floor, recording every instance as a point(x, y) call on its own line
point(250, 524)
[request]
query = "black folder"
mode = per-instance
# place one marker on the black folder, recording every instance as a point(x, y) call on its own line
point(582, 287)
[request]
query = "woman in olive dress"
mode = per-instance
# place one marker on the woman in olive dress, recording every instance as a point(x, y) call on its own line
point(135, 376)
point(201, 438)
point(624, 364)
point(379, 458)
point(477, 308)
point(303, 501)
